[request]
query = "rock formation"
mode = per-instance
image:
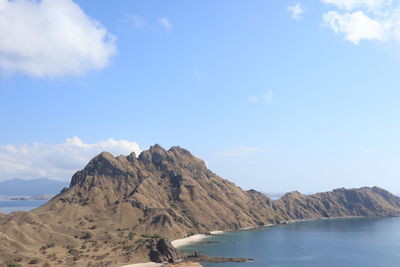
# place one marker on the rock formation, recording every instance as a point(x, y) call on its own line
point(119, 210)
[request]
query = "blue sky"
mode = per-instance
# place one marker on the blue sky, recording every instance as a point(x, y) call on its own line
point(271, 99)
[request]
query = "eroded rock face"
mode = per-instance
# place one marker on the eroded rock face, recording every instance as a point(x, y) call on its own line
point(162, 251)
point(158, 250)
point(117, 208)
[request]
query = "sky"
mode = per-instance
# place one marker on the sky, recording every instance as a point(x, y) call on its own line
point(273, 95)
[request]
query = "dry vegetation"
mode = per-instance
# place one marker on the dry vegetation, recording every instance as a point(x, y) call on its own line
point(118, 210)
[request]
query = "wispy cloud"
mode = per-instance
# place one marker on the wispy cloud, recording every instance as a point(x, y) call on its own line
point(352, 4)
point(358, 20)
point(51, 39)
point(296, 11)
point(166, 24)
point(197, 74)
point(267, 97)
point(57, 161)
point(242, 151)
point(138, 21)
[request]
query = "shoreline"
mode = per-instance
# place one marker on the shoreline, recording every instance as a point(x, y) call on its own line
point(144, 264)
point(178, 243)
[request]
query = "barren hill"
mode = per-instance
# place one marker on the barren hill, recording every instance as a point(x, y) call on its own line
point(363, 202)
point(120, 209)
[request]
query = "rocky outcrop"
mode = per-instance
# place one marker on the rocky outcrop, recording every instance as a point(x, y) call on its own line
point(162, 251)
point(157, 250)
point(120, 210)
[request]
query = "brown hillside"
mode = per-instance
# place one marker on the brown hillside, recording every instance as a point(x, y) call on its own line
point(117, 209)
point(363, 202)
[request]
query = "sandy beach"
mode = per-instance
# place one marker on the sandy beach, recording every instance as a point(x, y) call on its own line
point(178, 243)
point(188, 240)
point(146, 264)
point(217, 232)
point(193, 239)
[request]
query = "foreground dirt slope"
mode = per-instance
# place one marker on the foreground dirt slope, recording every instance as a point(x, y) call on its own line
point(118, 210)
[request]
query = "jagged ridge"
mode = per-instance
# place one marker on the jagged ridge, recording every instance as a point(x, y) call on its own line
point(115, 200)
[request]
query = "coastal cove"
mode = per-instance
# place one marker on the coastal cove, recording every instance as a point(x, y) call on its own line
point(124, 210)
point(352, 241)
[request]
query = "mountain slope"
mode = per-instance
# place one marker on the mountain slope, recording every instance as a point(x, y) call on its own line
point(171, 192)
point(117, 208)
point(363, 202)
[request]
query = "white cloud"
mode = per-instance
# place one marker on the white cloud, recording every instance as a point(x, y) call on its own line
point(355, 26)
point(57, 161)
point(357, 20)
point(242, 151)
point(51, 38)
point(267, 97)
point(166, 24)
point(296, 11)
point(352, 4)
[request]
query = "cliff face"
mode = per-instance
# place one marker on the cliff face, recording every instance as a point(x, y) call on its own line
point(119, 209)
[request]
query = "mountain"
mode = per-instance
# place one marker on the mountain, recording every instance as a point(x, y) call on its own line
point(33, 187)
point(124, 209)
point(363, 202)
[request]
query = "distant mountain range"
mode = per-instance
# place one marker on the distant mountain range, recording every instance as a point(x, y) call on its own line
point(32, 187)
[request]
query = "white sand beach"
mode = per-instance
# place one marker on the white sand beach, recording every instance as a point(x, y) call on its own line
point(188, 240)
point(146, 264)
point(217, 232)
point(193, 239)
point(178, 243)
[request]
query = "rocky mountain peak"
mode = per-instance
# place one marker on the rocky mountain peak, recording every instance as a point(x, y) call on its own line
point(177, 161)
point(102, 160)
point(156, 155)
point(131, 157)
point(293, 194)
point(104, 164)
point(129, 202)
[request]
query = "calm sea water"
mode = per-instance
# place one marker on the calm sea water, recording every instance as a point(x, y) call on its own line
point(9, 206)
point(346, 242)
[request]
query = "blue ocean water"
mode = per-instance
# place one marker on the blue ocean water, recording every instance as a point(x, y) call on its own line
point(8, 206)
point(325, 243)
